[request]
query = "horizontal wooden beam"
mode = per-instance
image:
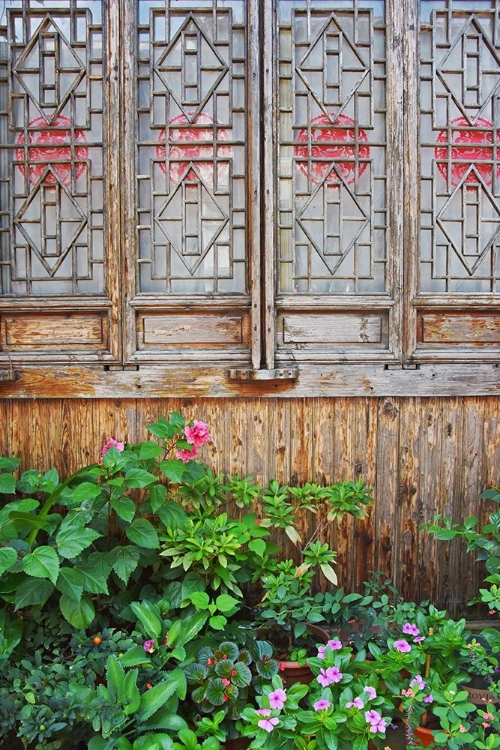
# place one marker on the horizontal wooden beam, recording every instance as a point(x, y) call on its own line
point(188, 381)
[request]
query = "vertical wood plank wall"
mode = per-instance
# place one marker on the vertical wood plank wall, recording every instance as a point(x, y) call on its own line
point(422, 456)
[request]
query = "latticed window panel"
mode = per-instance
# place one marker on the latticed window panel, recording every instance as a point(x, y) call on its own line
point(51, 149)
point(332, 140)
point(460, 147)
point(191, 148)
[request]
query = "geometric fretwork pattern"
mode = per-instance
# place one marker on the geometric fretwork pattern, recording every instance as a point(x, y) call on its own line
point(191, 180)
point(331, 152)
point(51, 164)
point(460, 164)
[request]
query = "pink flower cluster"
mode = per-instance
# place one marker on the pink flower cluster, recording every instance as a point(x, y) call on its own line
point(334, 644)
point(377, 723)
point(277, 699)
point(196, 434)
point(329, 675)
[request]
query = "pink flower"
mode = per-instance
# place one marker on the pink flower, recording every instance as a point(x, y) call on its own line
point(418, 682)
point(321, 705)
point(334, 644)
point(372, 693)
point(149, 646)
point(428, 698)
point(112, 443)
point(419, 639)
point(402, 646)
point(267, 724)
point(329, 676)
point(356, 703)
point(225, 681)
point(186, 455)
point(197, 434)
point(277, 699)
point(410, 629)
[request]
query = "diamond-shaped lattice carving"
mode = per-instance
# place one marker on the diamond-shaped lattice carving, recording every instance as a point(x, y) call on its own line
point(191, 68)
point(344, 213)
point(331, 68)
point(191, 220)
point(471, 58)
point(470, 220)
point(49, 70)
point(50, 220)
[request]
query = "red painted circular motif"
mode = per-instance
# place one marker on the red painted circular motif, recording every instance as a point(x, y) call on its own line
point(469, 146)
point(332, 141)
point(52, 147)
point(189, 141)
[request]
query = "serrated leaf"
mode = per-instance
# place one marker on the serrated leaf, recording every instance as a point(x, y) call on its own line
point(8, 557)
point(7, 484)
point(70, 582)
point(135, 657)
point(143, 533)
point(125, 560)
point(226, 603)
point(166, 719)
point(164, 429)
point(32, 592)
point(85, 492)
point(78, 614)
point(191, 583)
point(124, 507)
point(43, 562)
point(200, 599)
point(71, 541)
point(173, 468)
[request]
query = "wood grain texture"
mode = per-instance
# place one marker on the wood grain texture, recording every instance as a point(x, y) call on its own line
point(422, 456)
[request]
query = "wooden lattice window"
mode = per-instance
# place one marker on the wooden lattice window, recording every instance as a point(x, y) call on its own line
point(267, 190)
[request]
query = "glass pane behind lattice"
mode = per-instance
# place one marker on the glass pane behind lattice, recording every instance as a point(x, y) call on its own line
point(191, 148)
point(460, 147)
point(51, 177)
point(331, 160)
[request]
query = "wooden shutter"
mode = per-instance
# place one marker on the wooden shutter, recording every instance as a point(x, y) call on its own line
point(454, 184)
point(58, 240)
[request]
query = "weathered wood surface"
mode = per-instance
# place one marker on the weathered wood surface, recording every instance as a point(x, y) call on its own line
point(421, 456)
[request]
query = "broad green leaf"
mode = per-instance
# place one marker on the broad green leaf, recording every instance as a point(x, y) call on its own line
point(7, 484)
point(189, 627)
point(173, 468)
point(157, 496)
point(9, 464)
point(43, 562)
point(200, 599)
point(226, 603)
point(71, 541)
point(139, 478)
point(8, 557)
point(258, 546)
point(130, 694)
point(25, 521)
point(78, 614)
point(32, 591)
point(135, 657)
point(148, 618)
point(192, 582)
point(163, 429)
point(115, 676)
point(218, 622)
point(86, 491)
point(159, 694)
point(149, 449)
point(70, 582)
point(96, 569)
point(143, 533)
point(124, 508)
point(125, 560)
point(172, 514)
point(165, 718)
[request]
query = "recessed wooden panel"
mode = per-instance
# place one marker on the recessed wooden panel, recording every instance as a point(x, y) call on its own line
point(61, 331)
point(199, 331)
point(471, 329)
point(332, 329)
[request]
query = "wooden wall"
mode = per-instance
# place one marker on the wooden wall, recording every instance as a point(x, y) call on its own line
point(422, 456)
